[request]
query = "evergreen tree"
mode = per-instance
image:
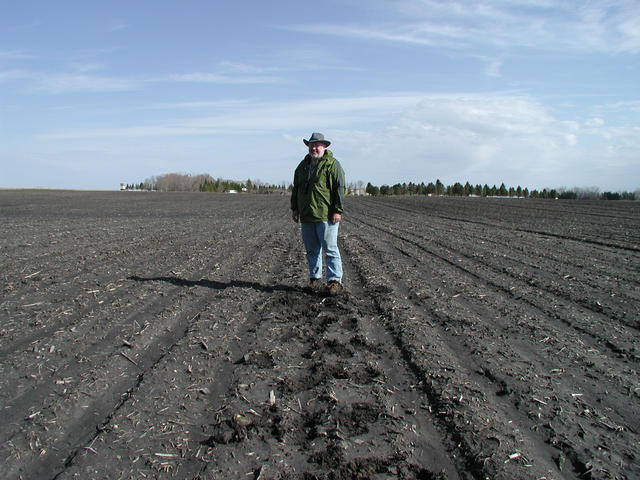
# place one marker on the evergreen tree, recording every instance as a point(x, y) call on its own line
point(458, 190)
point(568, 195)
point(372, 190)
point(431, 188)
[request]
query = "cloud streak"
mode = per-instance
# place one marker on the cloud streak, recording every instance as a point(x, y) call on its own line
point(15, 74)
point(79, 83)
point(14, 55)
point(203, 77)
point(470, 115)
point(473, 128)
point(401, 137)
point(243, 116)
point(610, 27)
point(82, 78)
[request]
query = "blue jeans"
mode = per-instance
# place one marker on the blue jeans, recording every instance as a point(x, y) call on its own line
point(319, 236)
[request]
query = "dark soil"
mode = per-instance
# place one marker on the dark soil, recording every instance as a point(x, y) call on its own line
point(147, 335)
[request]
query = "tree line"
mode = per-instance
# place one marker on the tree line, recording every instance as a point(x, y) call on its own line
point(180, 182)
point(466, 190)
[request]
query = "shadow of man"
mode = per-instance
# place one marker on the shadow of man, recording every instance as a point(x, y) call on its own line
point(216, 285)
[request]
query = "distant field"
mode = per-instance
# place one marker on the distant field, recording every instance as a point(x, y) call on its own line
point(150, 335)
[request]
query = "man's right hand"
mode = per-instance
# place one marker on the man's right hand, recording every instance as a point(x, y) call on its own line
point(295, 215)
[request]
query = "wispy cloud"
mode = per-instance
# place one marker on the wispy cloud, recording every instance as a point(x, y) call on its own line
point(83, 79)
point(411, 34)
point(86, 67)
point(492, 66)
point(594, 122)
point(128, 132)
point(117, 25)
point(469, 129)
point(310, 57)
point(207, 77)
point(79, 82)
point(25, 26)
point(612, 26)
point(481, 116)
point(14, 55)
point(631, 105)
point(8, 75)
point(485, 138)
point(242, 116)
point(205, 104)
point(245, 68)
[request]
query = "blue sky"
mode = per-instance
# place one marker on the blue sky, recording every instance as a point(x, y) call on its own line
point(536, 93)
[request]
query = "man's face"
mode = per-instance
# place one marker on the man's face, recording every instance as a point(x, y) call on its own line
point(316, 149)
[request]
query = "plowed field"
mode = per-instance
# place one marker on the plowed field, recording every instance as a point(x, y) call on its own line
point(147, 335)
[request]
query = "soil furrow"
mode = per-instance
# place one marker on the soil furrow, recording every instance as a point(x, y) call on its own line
point(585, 322)
point(582, 275)
point(168, 336)
point(553, 219)
point(453, 318)
point(154, 343)
point(507, 303)
point(51, 350)
point(206, 358)
point(456, 392)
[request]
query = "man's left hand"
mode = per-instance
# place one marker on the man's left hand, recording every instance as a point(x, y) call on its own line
point(336, 218)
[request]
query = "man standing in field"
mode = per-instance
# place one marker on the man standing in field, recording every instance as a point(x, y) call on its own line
point(317, 202)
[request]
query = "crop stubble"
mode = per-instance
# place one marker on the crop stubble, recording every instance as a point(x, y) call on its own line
point(147, 335)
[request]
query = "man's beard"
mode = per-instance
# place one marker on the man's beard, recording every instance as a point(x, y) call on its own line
point(316, 156)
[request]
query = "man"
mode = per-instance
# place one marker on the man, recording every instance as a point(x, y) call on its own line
point(317, 202)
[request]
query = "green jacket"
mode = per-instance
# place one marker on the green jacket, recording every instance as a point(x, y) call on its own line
point(322, 195)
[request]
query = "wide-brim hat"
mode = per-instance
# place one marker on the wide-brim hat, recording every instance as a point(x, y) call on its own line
point(316, 138)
